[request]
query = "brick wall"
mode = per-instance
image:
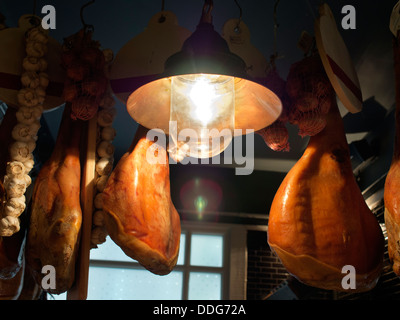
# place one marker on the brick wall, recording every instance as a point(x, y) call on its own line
point(264, 270)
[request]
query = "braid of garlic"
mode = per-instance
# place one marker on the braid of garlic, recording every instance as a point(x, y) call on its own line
point(30, 98)
point(104, 157)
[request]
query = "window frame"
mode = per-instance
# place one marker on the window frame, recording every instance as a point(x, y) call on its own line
point(234, 267)
point(187, 268)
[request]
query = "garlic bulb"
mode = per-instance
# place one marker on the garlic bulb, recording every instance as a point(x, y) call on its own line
point(105, 149)
point(15, 206)
point(105, 117)
point(20, 151)
point(107, 102)
point(28, 115)
point(98, 201)
point(40, 94)
point(98, 236)
point(108, 133)
point(15, 187)
point(98, 218)
point(30, 79)
point(101, 183)
point(36, 49)
point(8, 226)
point(104, 166)
point(27, 97)
point(34, 128)
point(34, 64)
point(21, 132)
point(15, 168)
point(37, 35)
point(29, 163)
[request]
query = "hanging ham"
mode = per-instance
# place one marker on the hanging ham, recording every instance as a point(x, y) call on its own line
point(319, 221)
point(392, 183)
point(56, 214)
point(139, 214)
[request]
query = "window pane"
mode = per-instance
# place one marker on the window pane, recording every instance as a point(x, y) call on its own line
point(206, 250)
point(62, 296)
point(111, 252)
point(133, 284)
point(181, 257)
point(204, 286)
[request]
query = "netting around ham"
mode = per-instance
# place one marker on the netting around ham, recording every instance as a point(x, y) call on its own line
point(86, 82)
point(311, 94)
point(276, 135)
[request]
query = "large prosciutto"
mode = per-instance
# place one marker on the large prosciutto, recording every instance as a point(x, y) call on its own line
point(139, 214)
point(392, 183)
point(319, 222)
point(56, 215)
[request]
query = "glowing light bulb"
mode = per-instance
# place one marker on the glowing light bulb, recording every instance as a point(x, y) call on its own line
point(203, 112)
point(202, 96)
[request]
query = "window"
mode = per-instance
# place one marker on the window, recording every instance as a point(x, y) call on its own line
point(203, 270)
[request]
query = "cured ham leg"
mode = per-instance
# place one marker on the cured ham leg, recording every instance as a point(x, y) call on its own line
point(392, 183)
point(56, 215)
point(139, 214)
point(319, 221)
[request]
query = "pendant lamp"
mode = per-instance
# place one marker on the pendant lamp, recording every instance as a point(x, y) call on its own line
point(204, 97)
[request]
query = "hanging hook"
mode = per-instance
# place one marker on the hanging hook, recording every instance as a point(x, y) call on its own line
point(85, 25)
point(162, 17)
point(207, 8)
point(276, 26)
point(34, 20)
point(237, 29)
point(311, 8)
point(34, 7)
point(2, 22)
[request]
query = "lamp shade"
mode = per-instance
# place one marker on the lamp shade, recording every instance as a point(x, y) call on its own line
point(205, 52)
